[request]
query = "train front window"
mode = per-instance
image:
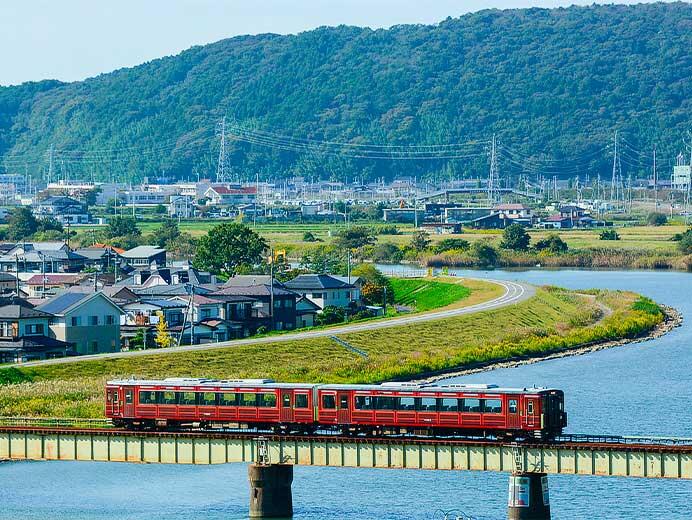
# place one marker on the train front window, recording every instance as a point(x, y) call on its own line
point(329, 402)
point(187, 398)
point(407, 403)
point(301, 400)
point(208, 399)
point(512, 406)
point(530, 408)
point(492, 406)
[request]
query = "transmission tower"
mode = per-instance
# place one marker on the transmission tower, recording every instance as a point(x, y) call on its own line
point(494, 174)
point(617, 174)
point(221, 175)
point(50, 164)
point(655, 183)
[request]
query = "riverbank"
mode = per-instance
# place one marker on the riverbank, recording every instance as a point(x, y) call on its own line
point(673, 319)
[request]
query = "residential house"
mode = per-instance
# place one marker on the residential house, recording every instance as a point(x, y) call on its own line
point(306, 312)
point(253, 305)
point(557, 221)
point(49, 284)
point(8, 283)
point(145, 256)
point(325, 290)
point(172, 276)
point(100, 256)
point(39, 257)
point(220, 195)
point(181, 206)
point(24, 333)
point(209, 325)
point(66, 210)
point(90, 320)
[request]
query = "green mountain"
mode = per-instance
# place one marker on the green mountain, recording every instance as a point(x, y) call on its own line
point(553, 85)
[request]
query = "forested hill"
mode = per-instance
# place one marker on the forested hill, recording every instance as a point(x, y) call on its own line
point(552, 84)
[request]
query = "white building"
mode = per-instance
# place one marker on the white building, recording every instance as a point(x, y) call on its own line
point(682, 174)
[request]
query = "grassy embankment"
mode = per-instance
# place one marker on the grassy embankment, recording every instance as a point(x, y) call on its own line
point(552, 320)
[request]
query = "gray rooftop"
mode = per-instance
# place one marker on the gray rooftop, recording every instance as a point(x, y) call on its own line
point(143, 252)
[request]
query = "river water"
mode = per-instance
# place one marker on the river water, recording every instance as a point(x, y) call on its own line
point(641, 389)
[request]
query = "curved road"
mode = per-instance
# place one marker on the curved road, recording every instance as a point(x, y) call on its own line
point(515, 292)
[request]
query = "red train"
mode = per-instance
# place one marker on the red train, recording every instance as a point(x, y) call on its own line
point(389, 408)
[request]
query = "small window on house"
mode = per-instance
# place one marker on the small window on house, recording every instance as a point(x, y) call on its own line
point(317, 295)
point(93, 320)
point(110, 319)
point(75, 321)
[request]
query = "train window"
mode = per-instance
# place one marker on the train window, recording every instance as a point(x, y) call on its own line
point(128, 397)
point(407, 403)
point(363, 402)
point(471, 405)
point(512, 406)
point(286, 400)
point(266, 400)
point(329, 402)
point(115, 397)
point(343, 402)
point(228, 399)
point(530, 408)
point(448, 404)
point(109, 396)
point(208, 399)
point(247, 399)
point(167, 397)
point(301, 400)
point(427, 404)
point(492, 406)
point(385, 403)
point(187, 398)
point(147, 397)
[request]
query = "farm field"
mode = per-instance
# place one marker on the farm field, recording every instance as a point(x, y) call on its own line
point(553, 319)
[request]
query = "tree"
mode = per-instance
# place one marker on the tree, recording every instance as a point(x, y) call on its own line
point(163, 338)
point(451, 244)
point(354, 238)
point(656, 219)
point(91, 196)
point(420, 241)
point(138, 341)
point(21, 223)
point(685, 242)
point(515, 238)
point(50, 224)
point(167, 232)
point(374, 284)
point(609, 234)
point(552, 243)
point(386, 252)
point(160, 209)
point(324, 259)
point(122, 226)
point(331, 315)
point(484, 253)
point(228, 248)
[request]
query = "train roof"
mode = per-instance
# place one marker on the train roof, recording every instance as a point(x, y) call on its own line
point(270, 383)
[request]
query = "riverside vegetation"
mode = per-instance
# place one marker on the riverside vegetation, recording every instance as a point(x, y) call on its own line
point(551, 321)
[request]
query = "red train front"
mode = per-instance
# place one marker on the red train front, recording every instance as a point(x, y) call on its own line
point(390, 408)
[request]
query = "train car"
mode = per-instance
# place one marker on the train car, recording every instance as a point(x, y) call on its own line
point(477, 410)
point(389, 408)
point(180, 402)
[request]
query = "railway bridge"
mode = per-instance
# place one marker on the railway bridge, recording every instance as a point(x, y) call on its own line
point(272, 457)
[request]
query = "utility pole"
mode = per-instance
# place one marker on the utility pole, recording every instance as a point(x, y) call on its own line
point(655, 183)
point(221, 165)
point(271, 287)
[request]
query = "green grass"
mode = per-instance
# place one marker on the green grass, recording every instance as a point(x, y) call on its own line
point(424, 295)
point(552, 320)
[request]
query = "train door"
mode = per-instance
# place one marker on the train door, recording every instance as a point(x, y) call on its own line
point(513, 415)
point(286, 405)
point(531, 412)
point(129, 405)
point(344, 412)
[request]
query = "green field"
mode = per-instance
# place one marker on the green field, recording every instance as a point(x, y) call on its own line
point(552, 320)
point(423, 295)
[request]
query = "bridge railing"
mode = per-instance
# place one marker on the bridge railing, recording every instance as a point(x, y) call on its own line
point(54, 422)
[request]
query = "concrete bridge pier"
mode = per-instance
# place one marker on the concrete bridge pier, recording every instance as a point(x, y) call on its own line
point(528, 496)
point(270, 490)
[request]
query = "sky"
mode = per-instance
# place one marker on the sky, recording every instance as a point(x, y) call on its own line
point(71, 40)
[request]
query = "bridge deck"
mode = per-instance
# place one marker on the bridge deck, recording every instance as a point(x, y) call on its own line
point(574, 458)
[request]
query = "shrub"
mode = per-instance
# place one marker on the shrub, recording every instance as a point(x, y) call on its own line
point(388, 230)
point(309, 237)
point(484, 253)
point(685, 242)
point(515, 238)
point(451, 244)
point(552, 243)
point(330, 315)
point(656, 219)
point(609, 234)
point(386, 252)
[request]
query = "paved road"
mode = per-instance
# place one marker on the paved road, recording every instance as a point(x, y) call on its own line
point(514, 293)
